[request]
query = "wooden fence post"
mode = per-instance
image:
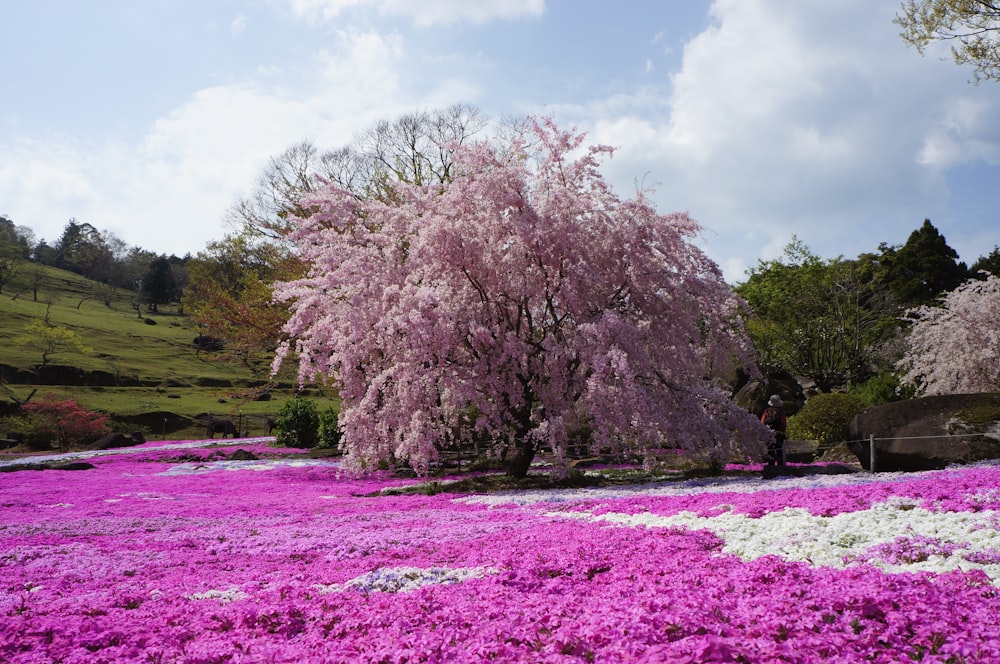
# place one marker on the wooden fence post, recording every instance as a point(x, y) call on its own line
point(871, 452)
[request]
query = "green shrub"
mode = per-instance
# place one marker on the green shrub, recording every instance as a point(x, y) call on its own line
point(329, 429)
point(21, 427)
point(297, 424)
point(883, 388)
point(825, 418)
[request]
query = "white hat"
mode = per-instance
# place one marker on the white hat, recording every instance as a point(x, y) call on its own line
point(775, 401)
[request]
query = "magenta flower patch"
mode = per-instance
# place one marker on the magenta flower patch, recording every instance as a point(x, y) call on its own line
point(139, 560)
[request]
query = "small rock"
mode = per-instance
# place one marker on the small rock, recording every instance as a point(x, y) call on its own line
point(243, 455)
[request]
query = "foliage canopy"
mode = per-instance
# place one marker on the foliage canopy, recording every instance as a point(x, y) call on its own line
point(923, 268)
point(818, 318)
point(971, 26)
point(48, 340)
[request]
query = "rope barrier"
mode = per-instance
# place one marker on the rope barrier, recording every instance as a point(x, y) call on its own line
point(994, 434)
point(872, 439)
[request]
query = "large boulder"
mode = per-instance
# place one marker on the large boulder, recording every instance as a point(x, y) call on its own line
point(928, 433)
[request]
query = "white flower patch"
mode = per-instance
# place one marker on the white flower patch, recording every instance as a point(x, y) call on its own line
point(987, 496)
point(406, 579)
point(152, 495)
point(223, 596)
point(841, 540)
point(90, 454)
point(200, 468)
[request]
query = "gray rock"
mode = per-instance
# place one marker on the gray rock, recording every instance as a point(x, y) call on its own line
point(72, 465)
point(243, 455)
point(115, 440)
point(65, 465)
point(928, 433)
point(800, 451)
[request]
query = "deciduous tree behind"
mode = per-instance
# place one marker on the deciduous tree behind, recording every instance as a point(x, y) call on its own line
point(972, 27)
point(824, 319)
point(229, 295)
point(520, 299)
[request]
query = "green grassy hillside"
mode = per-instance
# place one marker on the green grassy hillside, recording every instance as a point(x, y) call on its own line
point(147, 374)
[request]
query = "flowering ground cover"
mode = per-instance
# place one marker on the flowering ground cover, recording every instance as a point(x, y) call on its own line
point(170, 554)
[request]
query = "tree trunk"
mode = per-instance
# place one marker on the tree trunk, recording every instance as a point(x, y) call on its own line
point(524, 444)
point(521, 462)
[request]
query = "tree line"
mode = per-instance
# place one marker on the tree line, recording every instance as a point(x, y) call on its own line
point(151, 279)
point(843, 322)
point(836, 321)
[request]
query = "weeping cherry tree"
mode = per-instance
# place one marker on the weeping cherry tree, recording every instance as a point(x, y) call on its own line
point(955, 348)
point(517, 301)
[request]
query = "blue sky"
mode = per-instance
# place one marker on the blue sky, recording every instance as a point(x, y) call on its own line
point(761, 118)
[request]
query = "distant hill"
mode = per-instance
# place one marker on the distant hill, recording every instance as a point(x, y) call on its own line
point(147, 372)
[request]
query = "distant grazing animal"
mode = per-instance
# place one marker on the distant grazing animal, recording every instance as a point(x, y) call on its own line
point(225, 427)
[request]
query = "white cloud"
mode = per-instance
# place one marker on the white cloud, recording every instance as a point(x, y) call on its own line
point(169, 191)
point(239, 24)
point(45, 183)
point(434, 12)
point(964, 133)
point(807, 118)
point(323, 10)
point(426, 13)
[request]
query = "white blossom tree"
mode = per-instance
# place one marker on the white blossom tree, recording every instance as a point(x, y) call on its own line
point(955, 348)
point(518, 299)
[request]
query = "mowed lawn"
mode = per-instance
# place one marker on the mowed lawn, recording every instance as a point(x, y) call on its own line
point(172, 553)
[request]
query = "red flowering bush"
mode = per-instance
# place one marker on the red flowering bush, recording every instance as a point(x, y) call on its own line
point(53, 422)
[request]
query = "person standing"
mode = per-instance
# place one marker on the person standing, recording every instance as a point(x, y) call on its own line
point(775, 420)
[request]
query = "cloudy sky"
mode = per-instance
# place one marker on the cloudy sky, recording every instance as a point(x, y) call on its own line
point(761, 118)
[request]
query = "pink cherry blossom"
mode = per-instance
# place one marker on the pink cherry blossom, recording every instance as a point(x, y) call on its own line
point(518, 302)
